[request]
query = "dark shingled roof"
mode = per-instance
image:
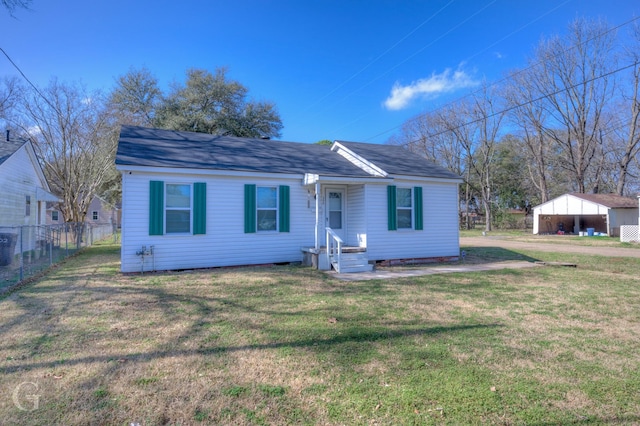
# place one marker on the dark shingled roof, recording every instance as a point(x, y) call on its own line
point(140, 146)
point(397, 160)
point(9, 147)
point(612, 201)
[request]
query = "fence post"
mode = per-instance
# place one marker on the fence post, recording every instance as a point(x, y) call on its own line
point(21, 256)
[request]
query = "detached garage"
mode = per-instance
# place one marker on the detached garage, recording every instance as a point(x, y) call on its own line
point(574, 213)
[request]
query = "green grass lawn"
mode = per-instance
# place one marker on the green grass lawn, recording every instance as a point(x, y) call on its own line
point(291, 345)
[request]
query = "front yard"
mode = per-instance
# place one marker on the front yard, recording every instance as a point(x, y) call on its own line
point(291, 345)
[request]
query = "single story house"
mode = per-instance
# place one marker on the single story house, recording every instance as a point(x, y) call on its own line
point(192, 200)
point(574, 213)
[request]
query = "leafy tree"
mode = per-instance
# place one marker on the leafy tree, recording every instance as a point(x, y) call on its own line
point(135, 98)
point(324, 142)
point(210, 103)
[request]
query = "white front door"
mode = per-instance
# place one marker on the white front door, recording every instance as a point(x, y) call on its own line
point(334, 211)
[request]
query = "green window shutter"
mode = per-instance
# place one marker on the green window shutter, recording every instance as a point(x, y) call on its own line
point(391, 208)
point(199, 208)
point(249, 209)
point(283, 209)
point(156, 207)
point(417, 209)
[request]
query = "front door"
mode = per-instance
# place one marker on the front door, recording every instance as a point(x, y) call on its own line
point(334, 211)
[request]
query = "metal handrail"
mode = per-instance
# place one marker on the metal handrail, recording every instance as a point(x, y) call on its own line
point(334, 247)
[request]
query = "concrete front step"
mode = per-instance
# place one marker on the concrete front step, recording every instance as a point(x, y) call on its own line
point(353, 262)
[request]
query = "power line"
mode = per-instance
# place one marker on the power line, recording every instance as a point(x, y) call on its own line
point(523, 104)
point(431, 43)
point(511, 76)
point(468, 59)
point(29, 81)
point(380, 55)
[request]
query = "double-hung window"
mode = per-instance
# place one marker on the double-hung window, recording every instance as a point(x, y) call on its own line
point(404, 206)
point(178, 208)
point(267, 208)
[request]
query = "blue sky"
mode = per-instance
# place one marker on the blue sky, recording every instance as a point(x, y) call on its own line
point(349, 70)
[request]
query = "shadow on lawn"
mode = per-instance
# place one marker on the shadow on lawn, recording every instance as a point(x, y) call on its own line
point(353, 336)
point(479, 255)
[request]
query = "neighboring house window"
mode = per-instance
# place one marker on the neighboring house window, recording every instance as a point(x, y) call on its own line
point(27, 205)
point(94, 216)
point(266, 208)
point(184, 210)
point(54, 215)
point(404, 208)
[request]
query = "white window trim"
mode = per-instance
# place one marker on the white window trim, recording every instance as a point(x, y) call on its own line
point(190, 208)
point(276, 208)
point(398, 208)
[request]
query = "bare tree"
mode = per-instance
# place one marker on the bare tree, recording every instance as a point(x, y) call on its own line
point(530, 118)
point(486, 114)
point(573, 72)
point(74, 139)
point(428, 135)
point(13, 5)
point(631, 124)
point(10, 91)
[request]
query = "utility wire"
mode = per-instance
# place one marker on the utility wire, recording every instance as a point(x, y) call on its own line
point(573, 86)
point(381, 55)
point(511, 76)
point(431, 43)
point(466, 60)
point(30, 83)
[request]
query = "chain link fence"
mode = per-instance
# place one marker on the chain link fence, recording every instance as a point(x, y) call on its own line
point(27, 250)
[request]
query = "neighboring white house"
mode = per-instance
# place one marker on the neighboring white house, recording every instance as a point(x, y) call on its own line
point(574, 213)
point(193, 200)
point(24, 193)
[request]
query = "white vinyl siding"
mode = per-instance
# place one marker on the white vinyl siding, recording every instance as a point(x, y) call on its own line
point(225, 243)
point(357, 216)
point(440, 237)
point(19, 180)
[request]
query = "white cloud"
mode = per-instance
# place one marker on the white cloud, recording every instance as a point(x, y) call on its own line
point(447, 81)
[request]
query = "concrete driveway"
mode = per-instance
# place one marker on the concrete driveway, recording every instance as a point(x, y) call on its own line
point(558, 247)
point(502, 242)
